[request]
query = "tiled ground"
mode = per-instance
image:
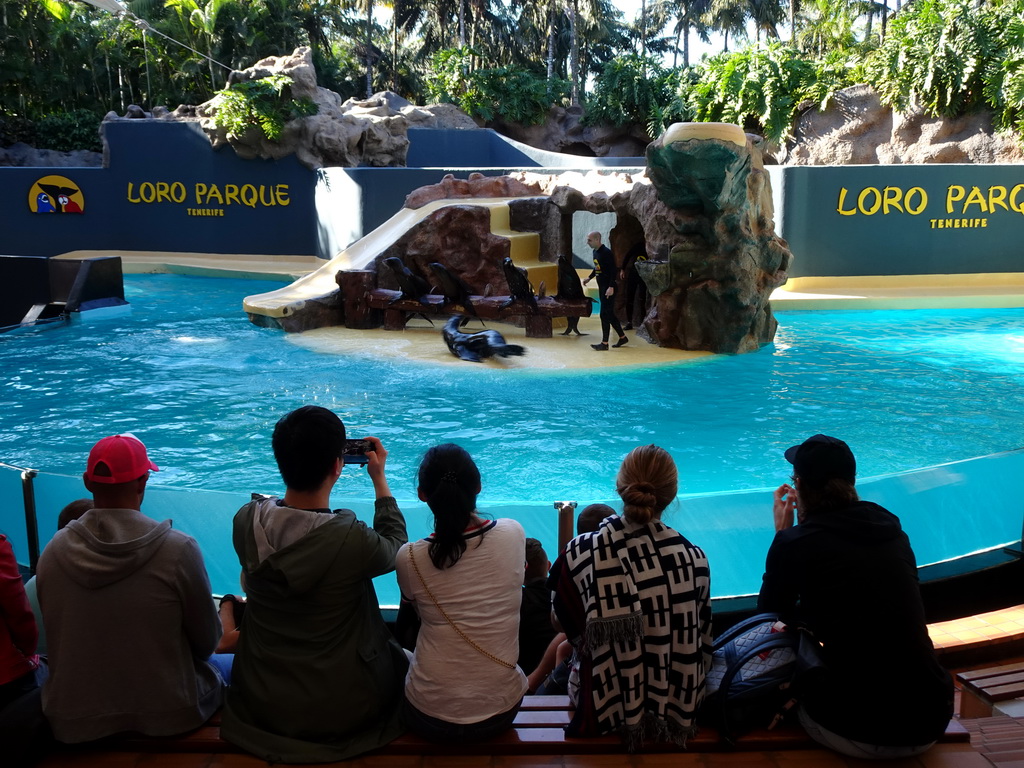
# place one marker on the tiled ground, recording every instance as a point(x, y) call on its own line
point(985, 629)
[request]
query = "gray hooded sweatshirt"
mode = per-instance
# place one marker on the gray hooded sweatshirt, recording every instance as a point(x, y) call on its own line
point(130, 623)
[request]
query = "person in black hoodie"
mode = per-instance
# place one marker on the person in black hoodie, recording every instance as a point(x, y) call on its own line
point(846, 571)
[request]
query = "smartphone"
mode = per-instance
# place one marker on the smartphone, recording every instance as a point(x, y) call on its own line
point(355, 450)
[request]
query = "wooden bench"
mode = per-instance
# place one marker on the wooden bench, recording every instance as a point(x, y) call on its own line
point(538, 730)
point(981, 689)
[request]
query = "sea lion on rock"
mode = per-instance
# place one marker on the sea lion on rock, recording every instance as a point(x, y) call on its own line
point(570, 287)
point(476, 346)
point(412, 286)
point(453, 289)
point(519, 287)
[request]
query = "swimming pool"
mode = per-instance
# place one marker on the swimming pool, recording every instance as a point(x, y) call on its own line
point(203, 387)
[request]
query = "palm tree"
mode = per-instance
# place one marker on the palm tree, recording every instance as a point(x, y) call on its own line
point(728, 16)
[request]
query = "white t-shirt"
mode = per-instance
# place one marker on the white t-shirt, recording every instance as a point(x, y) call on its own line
point(448, 678)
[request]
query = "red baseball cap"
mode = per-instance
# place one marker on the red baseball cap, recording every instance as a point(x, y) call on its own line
point(124, 456)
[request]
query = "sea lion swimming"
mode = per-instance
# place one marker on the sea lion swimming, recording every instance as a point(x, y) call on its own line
point(519, 287)
point(569, 287)
point(476, 346)
point(453, 289)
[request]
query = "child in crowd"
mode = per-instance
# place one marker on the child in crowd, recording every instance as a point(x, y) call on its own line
point(535, 629)
point(71, 511)
point(551, 675)
point(465, 581)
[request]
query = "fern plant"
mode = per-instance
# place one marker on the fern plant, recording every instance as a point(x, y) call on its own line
point(633, 90)
point(939, 55)
point(265, 104)
point(762, 86)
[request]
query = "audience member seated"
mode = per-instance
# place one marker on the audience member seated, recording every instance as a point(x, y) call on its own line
point(535, 628)
point(551, 675)
point(71, 511)
point(847, 572)
point(22, 727)
point(634, 600)
point(130, 622)
point(465, 580)
point(317, 676)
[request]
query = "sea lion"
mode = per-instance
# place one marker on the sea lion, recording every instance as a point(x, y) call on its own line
point(412, 286)
point(570, 287)
point(475, 346)
point(519, 287)
point(453, 289)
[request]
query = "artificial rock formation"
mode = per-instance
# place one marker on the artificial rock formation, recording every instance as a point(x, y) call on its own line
point(357, 132)
point(703, 212)
point(856, 129)
point(710, 222)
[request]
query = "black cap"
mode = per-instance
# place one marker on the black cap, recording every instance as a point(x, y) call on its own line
point(821, 458)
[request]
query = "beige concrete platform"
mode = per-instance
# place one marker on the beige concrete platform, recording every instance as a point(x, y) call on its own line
point(240, 266)
point(988, 290)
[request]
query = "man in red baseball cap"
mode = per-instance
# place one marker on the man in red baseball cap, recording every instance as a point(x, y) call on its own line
point(130, 620)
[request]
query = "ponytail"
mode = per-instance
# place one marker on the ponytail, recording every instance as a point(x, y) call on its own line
point(449, 482)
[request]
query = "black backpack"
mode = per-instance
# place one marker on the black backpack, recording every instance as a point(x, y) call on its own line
point(754, 666)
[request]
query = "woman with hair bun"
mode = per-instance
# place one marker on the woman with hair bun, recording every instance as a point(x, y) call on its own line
point(633, 597)
point(465, 581)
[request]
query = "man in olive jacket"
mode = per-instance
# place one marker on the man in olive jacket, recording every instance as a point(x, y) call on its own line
point(317, 676)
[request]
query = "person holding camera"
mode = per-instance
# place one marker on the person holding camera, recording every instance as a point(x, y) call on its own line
point(317, 676)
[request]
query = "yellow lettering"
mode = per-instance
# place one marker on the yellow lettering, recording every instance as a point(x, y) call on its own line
point(975, 198)
point(163, 192)
point(147, 192)
point(1014, 205)
point(842, 200)
point(130, 198)
point(200, 192)
point(864, 193)
point(264, 201)
point(916, 192)
point(997, 196)
point(282, 194)
point(249, 195)
point(215, 193)
point(891, 196)
point(954, 193)
point(231, 193)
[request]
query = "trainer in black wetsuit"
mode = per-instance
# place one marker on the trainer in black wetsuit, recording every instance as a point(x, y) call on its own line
point(606, 272)
point(634, 283)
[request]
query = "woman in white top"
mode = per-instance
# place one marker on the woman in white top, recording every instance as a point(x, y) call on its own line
point(465, 581)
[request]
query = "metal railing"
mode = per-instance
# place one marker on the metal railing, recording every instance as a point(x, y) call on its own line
point(31, 524)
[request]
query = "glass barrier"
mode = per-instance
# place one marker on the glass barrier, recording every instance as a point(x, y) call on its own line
point(949, 512)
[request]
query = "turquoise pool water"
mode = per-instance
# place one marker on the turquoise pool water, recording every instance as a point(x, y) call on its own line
point(189, 374)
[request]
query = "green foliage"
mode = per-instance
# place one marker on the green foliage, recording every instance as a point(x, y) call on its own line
point(762, 87)
point(633, 90)
point(68, 131)
point(265, 104)
point(513, 94)
point(939, 55)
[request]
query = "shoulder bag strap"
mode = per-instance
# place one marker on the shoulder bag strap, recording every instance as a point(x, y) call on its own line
point(463, 635)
